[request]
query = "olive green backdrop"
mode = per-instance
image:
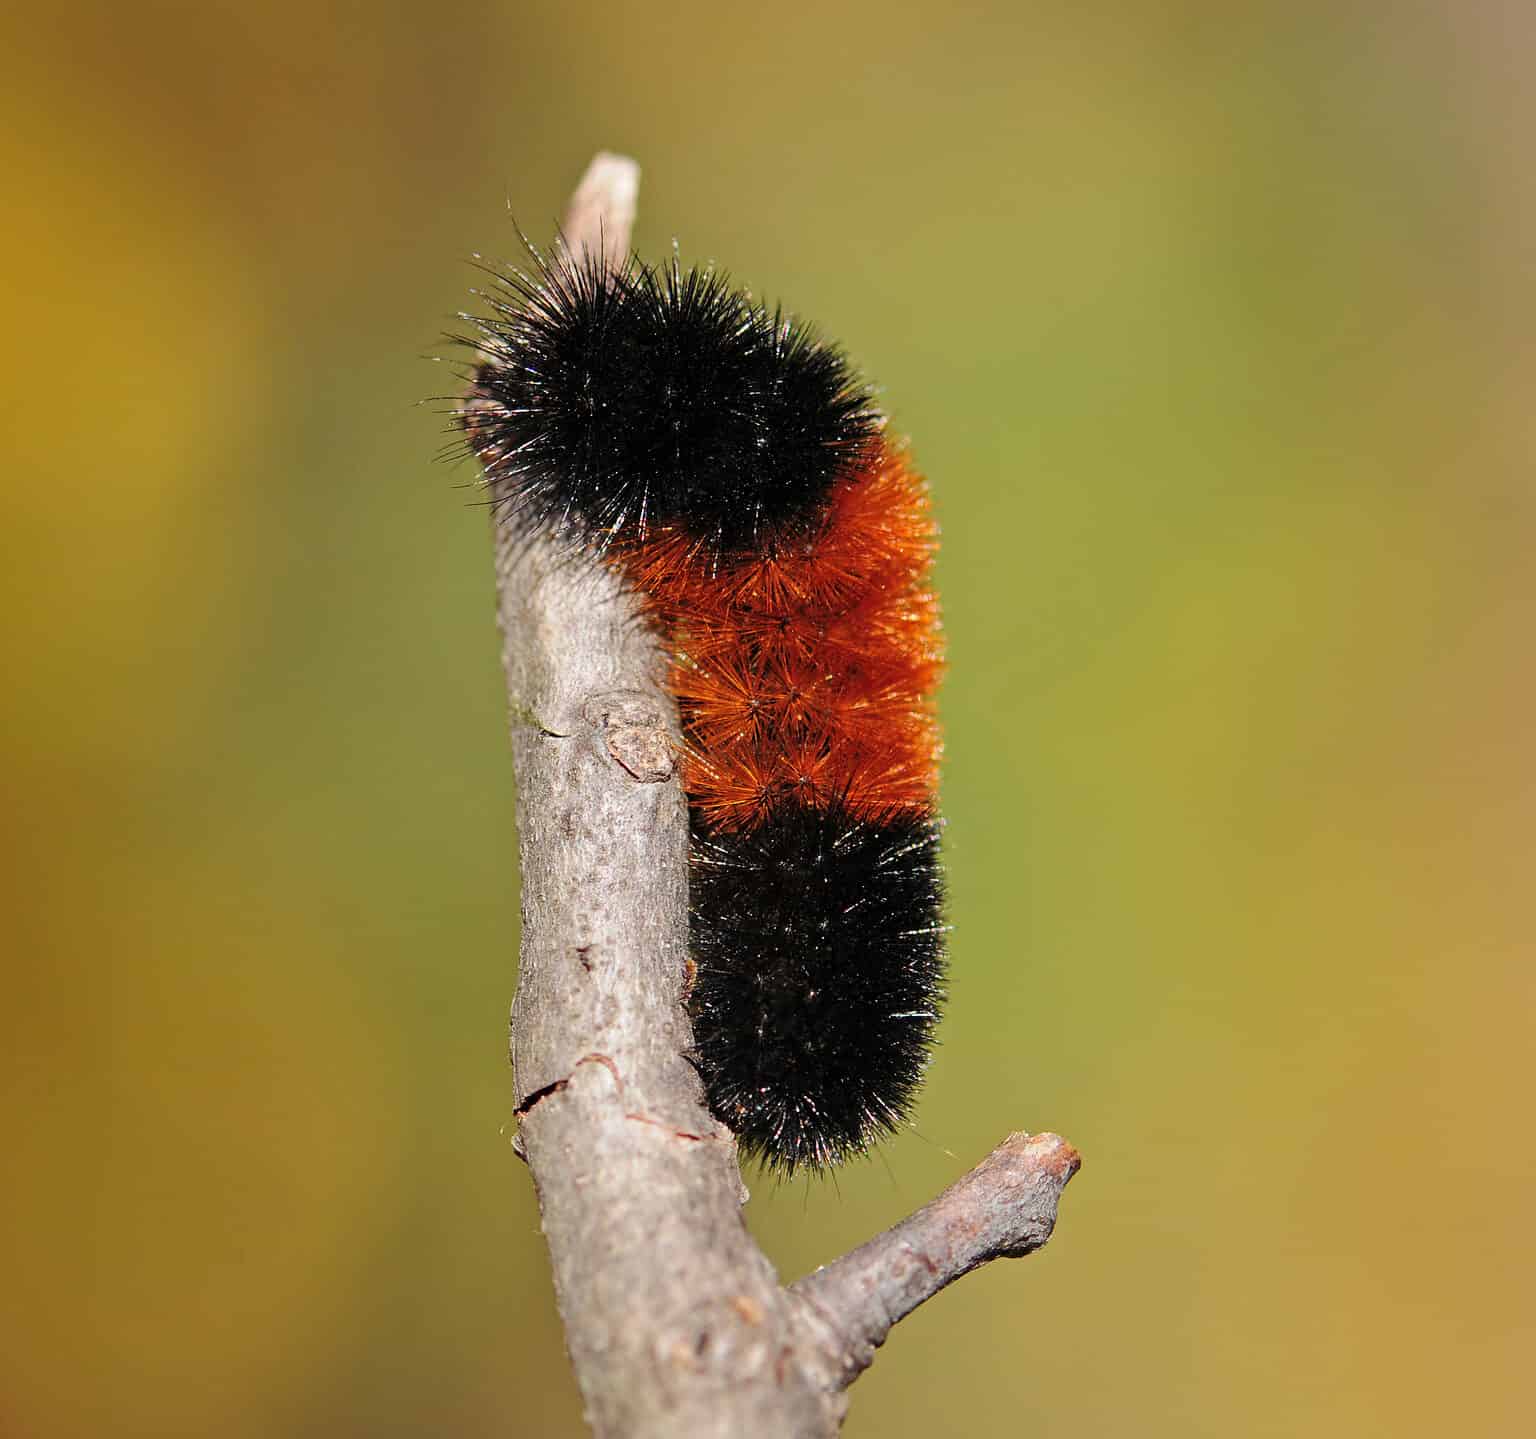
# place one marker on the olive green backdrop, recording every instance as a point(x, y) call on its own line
point(1212, 327)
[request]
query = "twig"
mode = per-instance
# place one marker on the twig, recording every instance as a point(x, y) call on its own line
point(1004, 1208)
point(675, 1321)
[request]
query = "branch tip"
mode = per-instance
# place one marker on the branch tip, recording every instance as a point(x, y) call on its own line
point(601, 215)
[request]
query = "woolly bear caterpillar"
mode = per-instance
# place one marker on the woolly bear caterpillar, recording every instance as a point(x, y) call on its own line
point(737, 473)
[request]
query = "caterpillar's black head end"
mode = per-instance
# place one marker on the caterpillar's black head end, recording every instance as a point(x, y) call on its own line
point(656, 396)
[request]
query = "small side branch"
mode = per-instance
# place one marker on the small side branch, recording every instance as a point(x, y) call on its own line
point(675, 1322)
point(1004, 1208)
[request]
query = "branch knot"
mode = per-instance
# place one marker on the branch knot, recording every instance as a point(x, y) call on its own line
point(635, 729)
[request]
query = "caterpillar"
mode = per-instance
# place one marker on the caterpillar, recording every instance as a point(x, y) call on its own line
point(736, 471)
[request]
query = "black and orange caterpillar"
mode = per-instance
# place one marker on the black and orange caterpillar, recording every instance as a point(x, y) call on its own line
point(735, 470)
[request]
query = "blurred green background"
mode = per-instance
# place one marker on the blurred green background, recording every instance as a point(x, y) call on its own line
point(1212, 326)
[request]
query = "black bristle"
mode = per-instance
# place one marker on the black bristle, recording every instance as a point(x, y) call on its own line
point(820, 958)
point(616, 402)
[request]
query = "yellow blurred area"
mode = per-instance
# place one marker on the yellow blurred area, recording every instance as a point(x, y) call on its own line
point(1211, 326)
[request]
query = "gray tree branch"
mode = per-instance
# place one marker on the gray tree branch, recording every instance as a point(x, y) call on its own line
point(675, 1321)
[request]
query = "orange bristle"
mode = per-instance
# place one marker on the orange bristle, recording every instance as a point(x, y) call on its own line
point(807, 669)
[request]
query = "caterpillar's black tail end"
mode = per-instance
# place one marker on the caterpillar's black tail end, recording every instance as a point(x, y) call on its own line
point(820, 953)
